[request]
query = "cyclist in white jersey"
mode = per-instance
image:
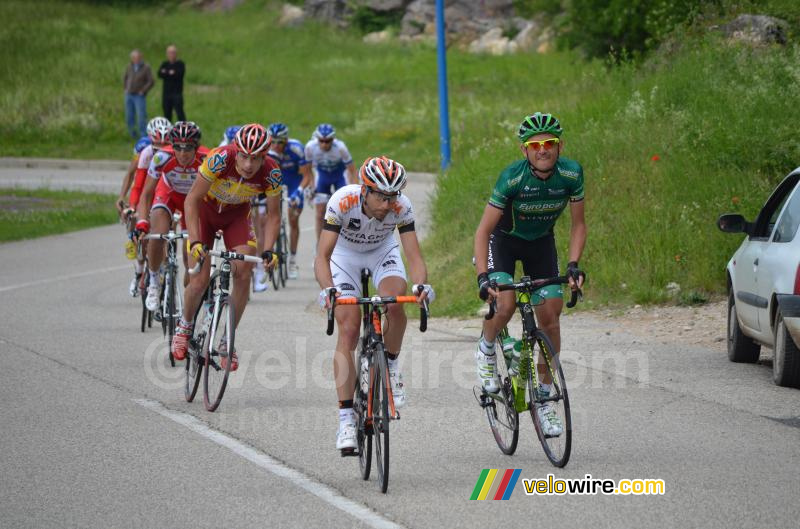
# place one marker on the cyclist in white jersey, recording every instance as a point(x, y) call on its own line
point(359, 233)
point(329, 159)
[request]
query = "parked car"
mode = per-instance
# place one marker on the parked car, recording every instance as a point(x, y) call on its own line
point(764, 283)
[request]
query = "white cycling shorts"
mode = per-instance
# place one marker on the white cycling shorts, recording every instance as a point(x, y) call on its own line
point(382, 262)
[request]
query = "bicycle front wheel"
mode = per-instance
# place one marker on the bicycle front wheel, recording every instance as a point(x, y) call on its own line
point(364, 424)
point(284, 257)
point(553, 408)
point(217, 346)
point(502, 415)
point(143, 295)
point(380, 416)
point(194, 353)
point(168, 320)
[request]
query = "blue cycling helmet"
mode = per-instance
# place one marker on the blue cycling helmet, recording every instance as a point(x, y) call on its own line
point(325, 131)
point(279, 131)
point(231, 131)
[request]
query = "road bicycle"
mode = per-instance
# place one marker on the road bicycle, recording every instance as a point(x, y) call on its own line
point(280, 272)
point(214, 332)
point(171, 306)
point(373, 403)
point(525, 361)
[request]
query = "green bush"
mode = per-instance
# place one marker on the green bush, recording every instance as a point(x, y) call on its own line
point(368, 20)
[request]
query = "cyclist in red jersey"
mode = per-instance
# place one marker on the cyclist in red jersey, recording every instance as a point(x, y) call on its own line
point(158, 137)
point(171, 175)
point(230, 177)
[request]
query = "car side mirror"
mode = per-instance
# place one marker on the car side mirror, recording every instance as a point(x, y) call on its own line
point(733, 223)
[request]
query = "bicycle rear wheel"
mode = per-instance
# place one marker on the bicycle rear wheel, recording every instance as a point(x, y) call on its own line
point(216, 354)
point(556, 447)
point(502, 415)
point(380, 416)
point(194, 353)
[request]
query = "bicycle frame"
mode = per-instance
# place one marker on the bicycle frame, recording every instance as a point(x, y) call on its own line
point(525, 290)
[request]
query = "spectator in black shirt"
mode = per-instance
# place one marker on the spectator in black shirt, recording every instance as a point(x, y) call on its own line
point(172, 71)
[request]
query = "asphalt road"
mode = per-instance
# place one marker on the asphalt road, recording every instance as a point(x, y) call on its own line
point(95, 431)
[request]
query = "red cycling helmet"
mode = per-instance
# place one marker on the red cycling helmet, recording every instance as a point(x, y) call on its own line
point(252, 139)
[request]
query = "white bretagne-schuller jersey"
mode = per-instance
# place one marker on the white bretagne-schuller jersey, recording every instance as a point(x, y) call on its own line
point(328, 162)
point(177, 177)
point(146, 156)
point(345, 215)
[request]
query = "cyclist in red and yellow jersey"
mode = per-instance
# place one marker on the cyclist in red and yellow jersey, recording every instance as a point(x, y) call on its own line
point(219, 199)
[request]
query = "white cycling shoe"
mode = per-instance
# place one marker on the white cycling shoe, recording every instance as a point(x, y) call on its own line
point(346, 436)
point(487, 371)
point(549, 421)
point(293, 270)
point(133, 289)
point(152, 297)
point(261, 281)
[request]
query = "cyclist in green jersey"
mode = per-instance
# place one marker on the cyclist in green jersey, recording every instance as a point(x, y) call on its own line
point(517, 225)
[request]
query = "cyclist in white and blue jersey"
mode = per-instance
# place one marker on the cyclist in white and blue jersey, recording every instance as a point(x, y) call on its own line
point(330, 160)
point(296, 172)
point(230, 133)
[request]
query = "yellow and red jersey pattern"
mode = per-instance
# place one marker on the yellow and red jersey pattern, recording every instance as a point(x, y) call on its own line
point(228, 187)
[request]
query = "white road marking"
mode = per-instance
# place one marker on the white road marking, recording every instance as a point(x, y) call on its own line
point(63, 278)
point(320, 490)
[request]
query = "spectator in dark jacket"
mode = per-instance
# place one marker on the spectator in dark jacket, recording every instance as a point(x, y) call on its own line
point(172, 71)
point(138, 80)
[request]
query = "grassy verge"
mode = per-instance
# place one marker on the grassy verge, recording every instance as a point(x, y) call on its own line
point(702, 127)
point(25, 214)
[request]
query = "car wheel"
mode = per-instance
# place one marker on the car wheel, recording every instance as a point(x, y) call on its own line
point(786, 365)
point(741, 348)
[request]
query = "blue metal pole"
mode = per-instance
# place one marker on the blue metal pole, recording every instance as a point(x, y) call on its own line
point(444, 112)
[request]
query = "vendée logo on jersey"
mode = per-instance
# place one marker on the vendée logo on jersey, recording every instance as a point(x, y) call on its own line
point(495, 484)
point(217, 162)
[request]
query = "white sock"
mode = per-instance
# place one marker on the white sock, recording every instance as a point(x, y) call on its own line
point(138, 267)
point(291, 258)
point(547, 388)
point(153, 278)
point(486, 347)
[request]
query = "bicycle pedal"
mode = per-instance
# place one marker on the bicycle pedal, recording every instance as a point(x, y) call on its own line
point(349, 452)
point(396, 415)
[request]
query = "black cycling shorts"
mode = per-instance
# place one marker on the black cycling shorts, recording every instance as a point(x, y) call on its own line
point(539, 257)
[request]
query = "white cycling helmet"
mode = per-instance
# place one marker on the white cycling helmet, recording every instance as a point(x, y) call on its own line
point(383, 174)
point(158, 129)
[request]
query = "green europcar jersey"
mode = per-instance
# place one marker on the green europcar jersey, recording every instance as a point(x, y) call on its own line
point(530, 205)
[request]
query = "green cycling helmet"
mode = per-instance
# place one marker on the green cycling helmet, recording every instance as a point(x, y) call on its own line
point(539, 123)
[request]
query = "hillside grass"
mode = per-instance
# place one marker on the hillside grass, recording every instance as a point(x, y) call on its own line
point(25, 214)
point(703, 126)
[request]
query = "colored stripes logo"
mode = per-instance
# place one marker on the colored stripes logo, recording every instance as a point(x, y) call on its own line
point(495, 484)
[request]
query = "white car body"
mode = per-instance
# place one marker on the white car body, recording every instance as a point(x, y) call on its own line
point(764, 272)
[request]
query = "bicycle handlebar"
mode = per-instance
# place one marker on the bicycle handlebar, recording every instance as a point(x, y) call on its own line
point(377, 300)
point(228, 256)
point(166, 236)
point(533, 284)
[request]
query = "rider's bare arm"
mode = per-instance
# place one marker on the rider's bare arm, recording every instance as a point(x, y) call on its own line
point(305, 171)
point(577, 232)
point(416, 264)
point(191, 207)
point(273, 223)
point(143, 209)
point(491, 216)
point(127, 180)
point(322, 267)
point(352, 177)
